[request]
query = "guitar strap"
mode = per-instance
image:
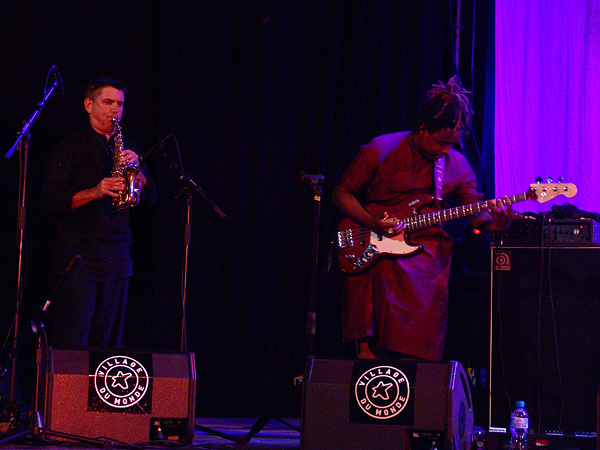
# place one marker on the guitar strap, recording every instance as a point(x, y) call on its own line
point(438, 175)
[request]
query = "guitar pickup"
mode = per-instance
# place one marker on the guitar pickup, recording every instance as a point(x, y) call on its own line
point(363, 233)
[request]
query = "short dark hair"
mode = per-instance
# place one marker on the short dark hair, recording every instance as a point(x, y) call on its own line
point(93, 87)
point(447, 106)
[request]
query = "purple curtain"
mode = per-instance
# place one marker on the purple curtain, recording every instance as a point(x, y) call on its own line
point(547, 110)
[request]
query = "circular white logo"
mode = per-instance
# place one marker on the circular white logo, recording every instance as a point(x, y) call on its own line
point(121, 381)
point(382, 392)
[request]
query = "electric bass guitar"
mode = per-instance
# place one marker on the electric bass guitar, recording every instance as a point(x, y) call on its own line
point(359, 247)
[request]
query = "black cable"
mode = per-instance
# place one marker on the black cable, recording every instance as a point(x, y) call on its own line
point(457, 73)
point(555, 336)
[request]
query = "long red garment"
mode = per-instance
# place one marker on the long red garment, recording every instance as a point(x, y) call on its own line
point(403, 302)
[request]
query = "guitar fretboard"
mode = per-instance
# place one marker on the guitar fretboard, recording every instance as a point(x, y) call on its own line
point(419, 222)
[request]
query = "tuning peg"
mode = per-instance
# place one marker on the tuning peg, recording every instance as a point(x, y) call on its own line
point(560, 179)
point(538, 179)
point(548, 179)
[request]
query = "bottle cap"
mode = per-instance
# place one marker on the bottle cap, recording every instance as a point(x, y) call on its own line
point(520, 404)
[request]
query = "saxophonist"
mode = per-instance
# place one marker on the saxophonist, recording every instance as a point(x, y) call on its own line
point(93, 236)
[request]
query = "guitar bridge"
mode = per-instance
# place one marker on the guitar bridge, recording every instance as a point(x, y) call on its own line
point(345, 239)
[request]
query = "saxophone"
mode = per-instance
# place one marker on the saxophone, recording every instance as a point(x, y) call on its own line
point(130, 196)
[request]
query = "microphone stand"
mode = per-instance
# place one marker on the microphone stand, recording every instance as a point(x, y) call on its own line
point(22, 143)
point(25, 130)
point(315, 181)
point(35, 427)
point(23, 146)
point(190, 187)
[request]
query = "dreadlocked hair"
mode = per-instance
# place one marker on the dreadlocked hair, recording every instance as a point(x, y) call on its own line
point(447, 106)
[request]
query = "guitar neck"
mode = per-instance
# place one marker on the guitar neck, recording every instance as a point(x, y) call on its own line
point(419, 222)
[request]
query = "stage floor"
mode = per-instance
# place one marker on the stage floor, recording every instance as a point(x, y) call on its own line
point(284, 434)
point(274, 435)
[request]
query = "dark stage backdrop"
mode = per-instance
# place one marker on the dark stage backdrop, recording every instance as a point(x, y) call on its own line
point(254, 92)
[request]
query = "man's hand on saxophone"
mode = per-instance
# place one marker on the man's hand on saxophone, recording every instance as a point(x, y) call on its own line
point(110, 186)
point(130, 157)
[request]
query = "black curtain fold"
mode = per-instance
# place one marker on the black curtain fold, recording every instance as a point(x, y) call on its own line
point(255, 92)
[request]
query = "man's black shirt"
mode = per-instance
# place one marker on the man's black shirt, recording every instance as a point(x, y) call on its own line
point(97, 231)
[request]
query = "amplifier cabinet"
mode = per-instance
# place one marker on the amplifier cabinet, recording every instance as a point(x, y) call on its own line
point(545, 339)
point(122, 395)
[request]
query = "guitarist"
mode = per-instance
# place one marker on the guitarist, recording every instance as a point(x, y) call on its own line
point(397, 308)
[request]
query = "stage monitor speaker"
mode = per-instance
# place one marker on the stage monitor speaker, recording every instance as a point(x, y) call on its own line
point(385, 405)
point(122, 395)
point(545, 305)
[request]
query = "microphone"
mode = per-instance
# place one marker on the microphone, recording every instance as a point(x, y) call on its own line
point(155, 147)
point(312, 179)
point(59, 80)
point(76, 258)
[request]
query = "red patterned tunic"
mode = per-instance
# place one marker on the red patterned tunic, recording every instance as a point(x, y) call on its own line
point(403, 302)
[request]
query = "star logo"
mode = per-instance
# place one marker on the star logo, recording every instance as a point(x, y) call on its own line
point(120, 380)
point(381, 390)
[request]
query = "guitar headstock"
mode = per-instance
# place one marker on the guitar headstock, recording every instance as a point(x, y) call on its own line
point(544, 192)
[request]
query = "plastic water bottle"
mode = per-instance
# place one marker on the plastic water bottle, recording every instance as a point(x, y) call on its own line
point(519, 426)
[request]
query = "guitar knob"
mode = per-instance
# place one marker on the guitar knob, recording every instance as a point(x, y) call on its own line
point(560, 179)
point(548, 179)
point(538, 179)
